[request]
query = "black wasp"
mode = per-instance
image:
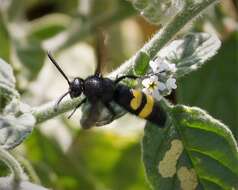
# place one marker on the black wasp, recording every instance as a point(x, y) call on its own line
point(98, 89)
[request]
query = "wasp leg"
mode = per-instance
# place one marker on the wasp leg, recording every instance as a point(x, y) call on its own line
point(126, 76)
point(82, 102)
point(59, 100)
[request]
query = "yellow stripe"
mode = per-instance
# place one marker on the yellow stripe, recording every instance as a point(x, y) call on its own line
point(146, 111)
point(136, 101)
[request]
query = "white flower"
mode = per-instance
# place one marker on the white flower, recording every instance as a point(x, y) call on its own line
point(153, 87)
point(171, 84)
point(154, 66)
point(161, 82)
point(159, 65)
point(151, 83)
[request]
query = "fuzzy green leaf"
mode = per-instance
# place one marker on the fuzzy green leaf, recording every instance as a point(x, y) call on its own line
point(31, 55)
point(6, 75)
point(192, 152)
point(214, 86)
point(7, 85)
point(141, 63)
point(193, 51)
point(13, 130)
point(4, 40)
point(48, 26)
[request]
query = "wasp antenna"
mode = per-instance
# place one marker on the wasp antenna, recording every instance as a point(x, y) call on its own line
point(57, 66)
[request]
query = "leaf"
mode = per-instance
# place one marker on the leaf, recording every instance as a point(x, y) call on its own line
point(48, 26)
point(13, 130)
point(191, 52)
point(15, 10)
point(7, 85)
point(157, 11)
point(141, 63)
point(31, 55)
point(214, 87)
point(191, 152)
point(4, 40)
point(194, 51)
point(6, 75)
point(155, 145)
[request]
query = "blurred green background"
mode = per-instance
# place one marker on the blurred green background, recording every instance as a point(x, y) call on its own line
point(59, 154)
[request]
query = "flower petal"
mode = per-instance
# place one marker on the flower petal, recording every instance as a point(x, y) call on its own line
point(171, 83)
point(161, 86)
point(153, 66)
point(154, 79)
point(146, 82)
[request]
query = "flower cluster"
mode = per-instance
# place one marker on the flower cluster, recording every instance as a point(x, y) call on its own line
point(160, 81)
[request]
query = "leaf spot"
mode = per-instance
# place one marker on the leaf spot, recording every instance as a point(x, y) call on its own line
point(167, 166)
point(188, 178)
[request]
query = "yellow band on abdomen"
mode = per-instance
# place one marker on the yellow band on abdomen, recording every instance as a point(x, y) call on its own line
point(136, 101)
point(146, 111)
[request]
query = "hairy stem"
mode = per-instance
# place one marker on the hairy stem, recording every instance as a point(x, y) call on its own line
point(47, 111)
point(13, 164)
point(188, 13)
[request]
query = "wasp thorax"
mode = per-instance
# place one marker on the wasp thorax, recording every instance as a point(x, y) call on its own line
point(98, 89)
point(76, 87)
point(93, 87)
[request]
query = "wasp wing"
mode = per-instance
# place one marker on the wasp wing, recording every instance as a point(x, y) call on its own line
point(98, 115)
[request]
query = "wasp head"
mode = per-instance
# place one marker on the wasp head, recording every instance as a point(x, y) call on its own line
point(76, 87)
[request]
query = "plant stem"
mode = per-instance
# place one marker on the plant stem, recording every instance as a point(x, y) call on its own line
point(47, 111)
point(188, 13)
point(13, 164)
point(28, 169)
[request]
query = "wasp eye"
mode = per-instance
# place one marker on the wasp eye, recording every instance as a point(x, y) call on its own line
point(76, 88)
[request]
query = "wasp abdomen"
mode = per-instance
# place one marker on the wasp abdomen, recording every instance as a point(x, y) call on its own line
point(140, 104)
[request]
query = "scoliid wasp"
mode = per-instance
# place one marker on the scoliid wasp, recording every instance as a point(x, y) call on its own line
point(97, 88)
